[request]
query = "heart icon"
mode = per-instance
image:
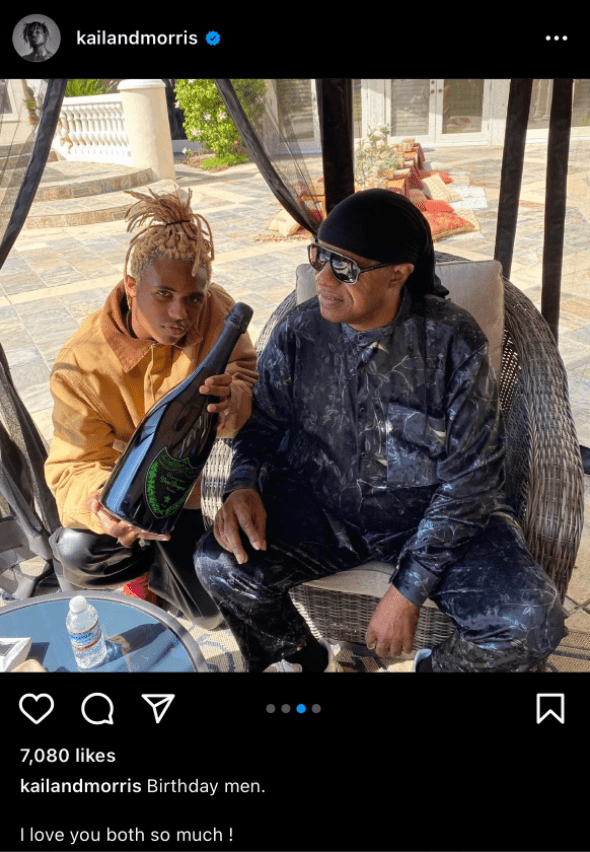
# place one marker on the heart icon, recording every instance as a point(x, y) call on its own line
point(36, 712)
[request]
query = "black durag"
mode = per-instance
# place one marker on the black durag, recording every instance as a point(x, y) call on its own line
point(383, 226)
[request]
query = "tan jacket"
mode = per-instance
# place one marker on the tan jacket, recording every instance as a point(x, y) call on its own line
point(104, 381)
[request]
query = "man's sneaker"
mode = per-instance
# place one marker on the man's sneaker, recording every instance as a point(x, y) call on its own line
point(333, 666)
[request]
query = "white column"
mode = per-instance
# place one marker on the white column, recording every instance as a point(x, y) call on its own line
point(148, 129)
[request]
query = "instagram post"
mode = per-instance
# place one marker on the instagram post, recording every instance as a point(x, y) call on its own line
point(293, 381)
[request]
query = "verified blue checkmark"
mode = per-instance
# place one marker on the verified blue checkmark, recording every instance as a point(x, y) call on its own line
point(212, 37)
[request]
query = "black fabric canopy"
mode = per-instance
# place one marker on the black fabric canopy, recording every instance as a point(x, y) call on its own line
point(23, 491)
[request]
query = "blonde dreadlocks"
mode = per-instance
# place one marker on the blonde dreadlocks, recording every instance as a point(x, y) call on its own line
point(175, 232)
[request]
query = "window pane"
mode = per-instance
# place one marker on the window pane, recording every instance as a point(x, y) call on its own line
point(462, 106)
point(294, 100)
point(410, 101)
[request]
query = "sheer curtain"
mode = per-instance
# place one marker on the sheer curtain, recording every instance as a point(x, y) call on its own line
point(27, 128)
point(307, 162)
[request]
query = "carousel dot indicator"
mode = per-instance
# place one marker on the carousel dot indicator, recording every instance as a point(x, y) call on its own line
point(301, 708)
point(270, 708)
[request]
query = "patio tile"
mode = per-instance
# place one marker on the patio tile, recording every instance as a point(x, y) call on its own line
point(578, 620)
point(6, 312)
point(21, 357)
point(36, 306)
point(13, 334)
point(21, 282)
point(43, 420)
point(32, 374)
point(573, 352)
point(60, 275)
point(36, 397)
point(579, 587)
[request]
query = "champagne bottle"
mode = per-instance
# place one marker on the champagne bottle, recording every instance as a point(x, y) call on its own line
point(154, 477)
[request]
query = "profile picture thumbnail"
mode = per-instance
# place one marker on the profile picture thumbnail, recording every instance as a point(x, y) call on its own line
point(36, 38)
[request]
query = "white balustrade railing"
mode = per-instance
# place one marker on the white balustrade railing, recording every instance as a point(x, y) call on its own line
point(93, 129)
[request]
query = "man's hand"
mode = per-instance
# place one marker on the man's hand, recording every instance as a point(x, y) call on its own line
point(125, 534)
point(244, 510)
point(393, 625)
point(219, 386)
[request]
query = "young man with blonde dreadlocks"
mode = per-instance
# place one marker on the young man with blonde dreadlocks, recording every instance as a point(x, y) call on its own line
point(155, 327)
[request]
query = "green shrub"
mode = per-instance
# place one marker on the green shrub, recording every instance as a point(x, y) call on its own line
point(83, 88)
point(206, 118)
point(225, 160)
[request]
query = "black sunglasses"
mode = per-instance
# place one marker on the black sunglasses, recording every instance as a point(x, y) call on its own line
point(343, 268)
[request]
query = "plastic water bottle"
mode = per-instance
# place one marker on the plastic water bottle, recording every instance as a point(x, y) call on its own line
point(84, 630)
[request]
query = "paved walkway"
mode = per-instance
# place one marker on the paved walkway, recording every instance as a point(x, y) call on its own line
point(55, 276)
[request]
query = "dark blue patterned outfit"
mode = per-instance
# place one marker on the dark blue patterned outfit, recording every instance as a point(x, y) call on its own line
point(388, 445)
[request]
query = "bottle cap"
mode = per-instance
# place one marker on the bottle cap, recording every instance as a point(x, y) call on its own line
point(78, 603)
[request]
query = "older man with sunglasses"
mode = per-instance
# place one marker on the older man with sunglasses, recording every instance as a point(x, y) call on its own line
point(376, 434)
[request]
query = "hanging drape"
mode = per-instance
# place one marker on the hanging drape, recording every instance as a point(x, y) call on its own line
point(34, 169)
point(274, 147)
point(555, 199)
point(519, 102)
point(23, 491)
point(334, 99)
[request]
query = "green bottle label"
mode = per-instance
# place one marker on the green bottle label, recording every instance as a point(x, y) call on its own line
point(168, 484)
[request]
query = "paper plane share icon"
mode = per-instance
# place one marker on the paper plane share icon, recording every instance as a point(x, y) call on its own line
point(159, 704)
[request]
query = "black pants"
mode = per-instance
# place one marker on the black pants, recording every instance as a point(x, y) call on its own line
point(92, 561)
point(507, 612)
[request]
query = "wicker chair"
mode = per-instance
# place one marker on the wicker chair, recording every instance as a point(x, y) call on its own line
point(544, 475)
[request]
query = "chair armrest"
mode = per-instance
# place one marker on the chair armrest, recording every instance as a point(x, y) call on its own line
point(543, 461)
point(216, 471)
point(213, 479)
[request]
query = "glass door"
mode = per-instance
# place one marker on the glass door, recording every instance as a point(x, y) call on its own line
point(442, 110)
point(412, 110)
point(540, 111)
point(462, 110)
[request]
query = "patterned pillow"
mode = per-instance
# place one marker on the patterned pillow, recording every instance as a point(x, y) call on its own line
point(446, 178)
point(435, 188)
point(417, 196)
point(429, 206)
point(444, 224)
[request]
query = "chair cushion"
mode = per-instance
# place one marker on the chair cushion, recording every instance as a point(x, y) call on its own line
point(476, 286)
point(370, 578)
point(305, 283)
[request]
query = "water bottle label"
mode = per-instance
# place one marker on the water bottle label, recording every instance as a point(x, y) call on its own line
point(86, 640)
point(168, 484)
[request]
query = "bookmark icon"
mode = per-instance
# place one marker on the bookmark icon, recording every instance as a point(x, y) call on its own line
point(159, 702)
point(550, 704)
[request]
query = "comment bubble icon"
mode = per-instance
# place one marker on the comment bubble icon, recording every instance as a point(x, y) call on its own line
point(98, 709)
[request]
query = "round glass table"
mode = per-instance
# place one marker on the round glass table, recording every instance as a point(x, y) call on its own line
point(141, 637)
